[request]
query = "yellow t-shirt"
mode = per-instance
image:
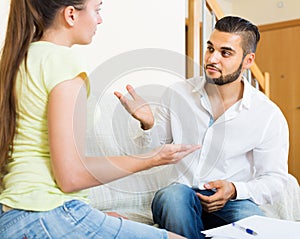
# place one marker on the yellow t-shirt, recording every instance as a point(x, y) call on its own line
point(30, 184)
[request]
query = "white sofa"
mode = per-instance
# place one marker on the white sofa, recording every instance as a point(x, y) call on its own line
point(109, 130)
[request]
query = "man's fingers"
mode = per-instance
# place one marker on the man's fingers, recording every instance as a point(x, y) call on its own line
point(210, 199)
point(208, 204)
point(118, 94)
point(214, 184)
point(131, 91)
point(203, 198)
point(122, 98)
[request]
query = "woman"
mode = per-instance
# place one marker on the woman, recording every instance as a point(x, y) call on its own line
point(43, 97)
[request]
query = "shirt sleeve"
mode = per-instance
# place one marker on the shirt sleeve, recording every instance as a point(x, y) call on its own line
point(270, 162)
point(161, 132)
point(61, 65)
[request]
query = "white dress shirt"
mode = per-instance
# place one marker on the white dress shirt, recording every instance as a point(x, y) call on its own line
point(247, 145)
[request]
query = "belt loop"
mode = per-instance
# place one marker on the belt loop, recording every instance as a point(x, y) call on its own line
point(1, 209)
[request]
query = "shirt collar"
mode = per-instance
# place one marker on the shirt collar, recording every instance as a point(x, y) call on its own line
point(246, 100)
point(198, 84)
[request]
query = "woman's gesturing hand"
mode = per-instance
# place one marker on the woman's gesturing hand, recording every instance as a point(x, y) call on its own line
point(170, 153)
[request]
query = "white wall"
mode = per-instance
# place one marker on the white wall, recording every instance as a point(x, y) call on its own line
point(4, 7)
point(261, 12)
point(267, 11)
point(129, 25)
point(135, 24)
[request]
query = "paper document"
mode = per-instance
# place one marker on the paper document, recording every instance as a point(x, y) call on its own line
point(257, 227)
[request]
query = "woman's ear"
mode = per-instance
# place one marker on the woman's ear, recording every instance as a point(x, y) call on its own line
point(249, 60)
point(70, 15)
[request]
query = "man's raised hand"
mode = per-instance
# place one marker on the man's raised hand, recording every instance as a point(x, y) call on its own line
point(137, 107)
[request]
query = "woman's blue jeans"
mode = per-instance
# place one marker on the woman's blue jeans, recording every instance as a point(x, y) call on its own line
point(177, 208)
point(73, 220)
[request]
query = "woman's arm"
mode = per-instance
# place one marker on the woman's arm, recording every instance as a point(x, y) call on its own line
point(67, 127)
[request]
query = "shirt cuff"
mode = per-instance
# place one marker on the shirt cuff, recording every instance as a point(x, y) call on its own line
point(147, 131)
point(143, 137)
point(241, 190)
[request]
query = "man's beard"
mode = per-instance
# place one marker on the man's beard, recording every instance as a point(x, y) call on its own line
point(222, 80)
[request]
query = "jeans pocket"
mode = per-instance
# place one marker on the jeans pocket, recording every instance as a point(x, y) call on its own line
point(29, 230)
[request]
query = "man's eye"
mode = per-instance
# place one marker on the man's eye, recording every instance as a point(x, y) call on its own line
point(226, 53)
point(210, 49)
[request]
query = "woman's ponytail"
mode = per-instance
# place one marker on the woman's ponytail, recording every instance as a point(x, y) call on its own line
point(19, 34)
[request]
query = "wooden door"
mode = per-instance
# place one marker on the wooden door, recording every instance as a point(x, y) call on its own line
point(279, 53)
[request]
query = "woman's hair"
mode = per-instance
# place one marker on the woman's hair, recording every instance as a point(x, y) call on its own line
point(249, 32)
point(27, 22)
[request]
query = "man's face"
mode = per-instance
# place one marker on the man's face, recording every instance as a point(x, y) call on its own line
point(223, 58)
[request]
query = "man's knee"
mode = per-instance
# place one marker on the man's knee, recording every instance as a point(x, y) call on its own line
point(174, 196)
point(177, 194)
point(177, 208)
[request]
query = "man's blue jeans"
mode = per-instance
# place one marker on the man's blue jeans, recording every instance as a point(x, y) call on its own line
point(177, 208)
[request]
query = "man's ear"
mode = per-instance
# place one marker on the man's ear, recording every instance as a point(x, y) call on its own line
point(70, 15)
point(249, 60)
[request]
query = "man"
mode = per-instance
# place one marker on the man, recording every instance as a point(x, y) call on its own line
point(244, 137)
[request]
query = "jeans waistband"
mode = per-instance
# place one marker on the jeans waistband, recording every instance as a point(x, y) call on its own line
point(4, 208)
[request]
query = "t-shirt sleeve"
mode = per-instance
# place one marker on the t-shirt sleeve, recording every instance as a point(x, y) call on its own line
point(62, 65)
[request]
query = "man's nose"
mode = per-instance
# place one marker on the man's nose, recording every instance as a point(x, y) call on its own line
point(214, 57)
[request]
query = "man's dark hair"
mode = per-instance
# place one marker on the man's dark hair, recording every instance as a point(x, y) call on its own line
point(248, 31)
